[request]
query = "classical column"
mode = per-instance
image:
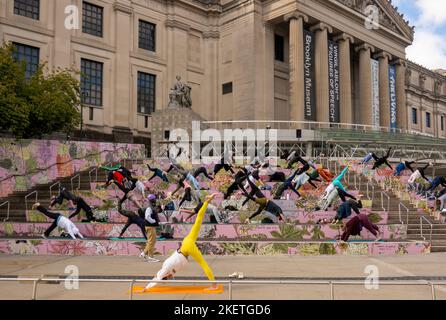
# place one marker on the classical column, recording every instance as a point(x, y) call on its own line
point(346, 106)
point(365, 86)
point(401, 113)
point(296, 20)
point(321, 31)
point(123, 109)
point(384, 89)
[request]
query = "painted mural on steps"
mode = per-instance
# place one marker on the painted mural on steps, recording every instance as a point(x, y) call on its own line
point(21, 162)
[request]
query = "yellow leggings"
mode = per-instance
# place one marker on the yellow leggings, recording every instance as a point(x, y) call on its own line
point(189, 248)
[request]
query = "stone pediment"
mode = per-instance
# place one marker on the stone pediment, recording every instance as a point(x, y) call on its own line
point(388, 15)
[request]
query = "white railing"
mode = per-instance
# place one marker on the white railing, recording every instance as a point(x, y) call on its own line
point(383, 194)
point(407, 213)
point(30, 194)
point(95, 170)
point(422, 220)
point(78, 177)
point(232, 283)
point(289, 125)
point(52, 186)
point(8, 205)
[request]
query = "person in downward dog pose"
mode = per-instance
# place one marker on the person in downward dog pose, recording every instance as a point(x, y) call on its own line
point(188, 248)
point(80, 203)
point(158, 173)
point(203, 171)
point(58, 221)
point(381, 161)
point(132, 218)
point(355, 226)
point(344, 211)
point(403, 166)
point(268, 206)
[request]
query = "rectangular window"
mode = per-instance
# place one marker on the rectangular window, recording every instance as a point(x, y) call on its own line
point(442, 123)
point(279, 44)
point(227, 88)
point(428, 120)
point(91, 114)
point(91, 82)
point(147, 35)
point(414, 116)
point(27, 8)
point(29, 55)
point(146, 92)
point(92, 19)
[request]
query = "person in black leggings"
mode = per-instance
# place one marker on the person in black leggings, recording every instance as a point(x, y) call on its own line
point(203, 171)
point(80, 203)
point(344, 195)
point(132, 218)
point(239, 178)
point(294, 158)
point(223, 165)
point(383, 160)
point(255, 191)
point(267, 205)
point(158, 173)
point(58, 221)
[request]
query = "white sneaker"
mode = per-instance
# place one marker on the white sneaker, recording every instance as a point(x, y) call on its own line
point(151, 259)
point(234, 275)
point(241, 275)
point(142, 255)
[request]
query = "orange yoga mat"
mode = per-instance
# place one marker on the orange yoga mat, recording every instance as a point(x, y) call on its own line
point(179, 290)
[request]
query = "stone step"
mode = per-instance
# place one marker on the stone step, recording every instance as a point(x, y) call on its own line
point(293, 232)
point(133, 247)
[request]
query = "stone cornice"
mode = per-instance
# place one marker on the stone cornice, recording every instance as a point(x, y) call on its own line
point(117, 6)
point(172, 23)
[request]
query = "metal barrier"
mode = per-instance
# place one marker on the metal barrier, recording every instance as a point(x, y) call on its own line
point(407, 213)
point(370, 185)
point(96, 176)
point(231, 283)
point(78, 176)
point(52, 186)
point(28, 195)
point(7, 209)
point(421, 227)
point(382, 201)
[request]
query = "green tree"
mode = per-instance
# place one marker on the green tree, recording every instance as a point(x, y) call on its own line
point(47, 102)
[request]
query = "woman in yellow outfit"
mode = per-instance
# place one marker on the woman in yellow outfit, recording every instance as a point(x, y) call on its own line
point(188, 249)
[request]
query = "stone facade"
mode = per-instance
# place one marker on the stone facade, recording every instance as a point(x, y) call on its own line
point(219, 44)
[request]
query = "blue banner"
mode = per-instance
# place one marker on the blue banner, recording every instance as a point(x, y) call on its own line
point(393, 98)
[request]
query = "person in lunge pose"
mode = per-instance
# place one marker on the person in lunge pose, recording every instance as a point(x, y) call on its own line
point(58, 221)
point(188, 248)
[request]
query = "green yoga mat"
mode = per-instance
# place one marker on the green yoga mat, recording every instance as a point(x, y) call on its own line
point(111, 168)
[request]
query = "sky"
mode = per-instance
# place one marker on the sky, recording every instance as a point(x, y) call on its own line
point(429, 19)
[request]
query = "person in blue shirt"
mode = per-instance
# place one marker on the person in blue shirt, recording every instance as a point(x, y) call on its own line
point(403, 166)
